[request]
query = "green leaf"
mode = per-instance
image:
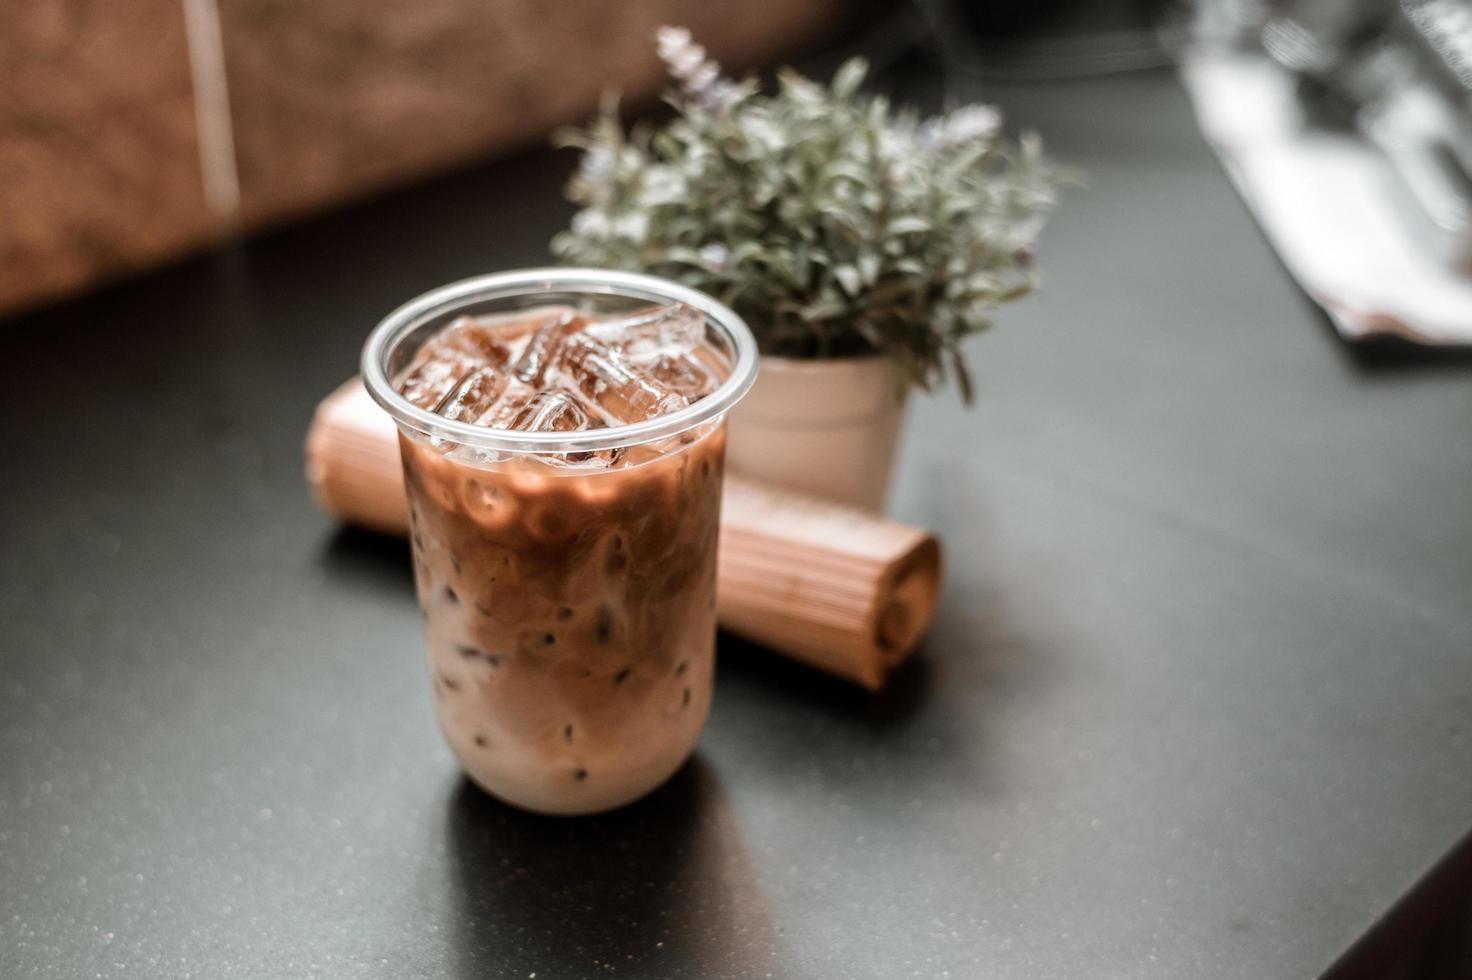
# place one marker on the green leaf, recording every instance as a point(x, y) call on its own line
point(849, 278)
point(849, 77)
point(963, 376)
point(906, 224)
point(821, 310)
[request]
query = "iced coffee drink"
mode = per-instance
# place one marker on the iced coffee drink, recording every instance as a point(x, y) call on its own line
point(562, 454)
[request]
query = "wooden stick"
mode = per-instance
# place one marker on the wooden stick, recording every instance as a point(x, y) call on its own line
point(835, 587)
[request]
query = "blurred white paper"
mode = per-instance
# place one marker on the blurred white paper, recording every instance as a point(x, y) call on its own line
point(1328, 203)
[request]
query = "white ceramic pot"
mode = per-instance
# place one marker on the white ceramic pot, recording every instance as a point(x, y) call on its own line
point(825, 427)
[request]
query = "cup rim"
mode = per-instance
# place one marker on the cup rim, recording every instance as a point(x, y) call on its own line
point(529, 282)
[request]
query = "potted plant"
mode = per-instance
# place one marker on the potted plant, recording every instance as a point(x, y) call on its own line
point(861, 245)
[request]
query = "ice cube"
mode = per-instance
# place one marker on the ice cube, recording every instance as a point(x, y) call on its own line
point(474, 397)
point(647, 333)
point(664, 343)
point(428, 381)
point(542, 347)
point(484, 342)
point(508, 406)
point(553, 411)
point(603, 376)
point(445, 359)
point(684, 374)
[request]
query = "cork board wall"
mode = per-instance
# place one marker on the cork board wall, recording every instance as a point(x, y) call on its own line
point(134, 132)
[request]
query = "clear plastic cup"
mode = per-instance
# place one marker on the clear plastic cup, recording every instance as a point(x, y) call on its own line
point(566, 579)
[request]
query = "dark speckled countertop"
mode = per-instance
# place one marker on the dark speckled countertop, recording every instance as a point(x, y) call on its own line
point(1197, 702)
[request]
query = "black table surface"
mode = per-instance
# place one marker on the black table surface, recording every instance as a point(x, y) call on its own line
point(1197, 701)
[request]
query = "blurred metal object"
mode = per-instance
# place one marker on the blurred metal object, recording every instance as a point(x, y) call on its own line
point(1315, 37)
point(1400, 74)
point(1226, 24)
point(1055, 40)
